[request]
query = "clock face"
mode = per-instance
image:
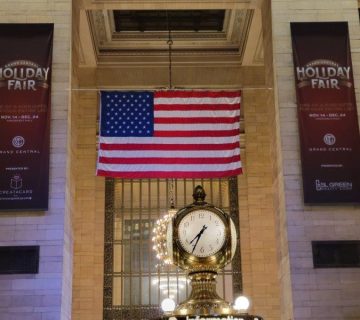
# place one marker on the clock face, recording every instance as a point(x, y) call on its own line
point(201, 233)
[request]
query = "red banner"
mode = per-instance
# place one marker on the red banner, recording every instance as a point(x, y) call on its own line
point(328, 122)
point(25, 78)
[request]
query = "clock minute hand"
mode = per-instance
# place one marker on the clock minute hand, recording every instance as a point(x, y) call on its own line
point(199, 234)
point(198, 237)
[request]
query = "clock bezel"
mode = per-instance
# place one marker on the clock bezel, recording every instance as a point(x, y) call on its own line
point(187, 260)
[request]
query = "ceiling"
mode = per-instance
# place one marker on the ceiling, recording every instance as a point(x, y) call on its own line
point(117, 37)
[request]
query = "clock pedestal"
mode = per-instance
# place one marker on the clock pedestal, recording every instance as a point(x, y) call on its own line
point(201, 239)
point(203, 299)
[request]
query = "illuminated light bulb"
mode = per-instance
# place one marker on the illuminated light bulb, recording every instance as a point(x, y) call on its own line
point(225, 310)
point(241, 303)
point(183, 311)
point(168, 305)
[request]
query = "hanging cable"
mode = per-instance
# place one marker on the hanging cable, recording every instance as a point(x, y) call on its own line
point(170, 43)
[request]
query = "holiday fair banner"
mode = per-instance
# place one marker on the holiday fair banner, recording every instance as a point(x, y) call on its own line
point(25, 78)
point(328, 122)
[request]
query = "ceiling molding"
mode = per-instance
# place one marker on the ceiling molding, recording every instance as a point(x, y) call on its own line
point(86, 44)
point(208, 47)
point(254, 51)
point(165, 4)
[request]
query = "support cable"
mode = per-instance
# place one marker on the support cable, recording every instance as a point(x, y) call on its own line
point(170, 43)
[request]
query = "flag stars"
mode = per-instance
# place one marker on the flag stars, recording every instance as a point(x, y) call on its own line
point(128, 114)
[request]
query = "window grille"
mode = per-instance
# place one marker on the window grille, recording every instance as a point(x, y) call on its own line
point(135, 282)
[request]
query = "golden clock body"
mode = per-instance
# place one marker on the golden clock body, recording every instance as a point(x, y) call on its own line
point(201, 237)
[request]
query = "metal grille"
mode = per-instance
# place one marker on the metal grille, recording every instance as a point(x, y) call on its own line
point(135, 282)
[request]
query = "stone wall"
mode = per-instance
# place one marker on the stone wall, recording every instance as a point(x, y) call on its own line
point(257, 206)
point(317, 293)
point(88, 214)
point(46, 295)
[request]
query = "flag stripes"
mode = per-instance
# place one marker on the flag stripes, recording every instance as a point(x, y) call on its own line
point(195, 135)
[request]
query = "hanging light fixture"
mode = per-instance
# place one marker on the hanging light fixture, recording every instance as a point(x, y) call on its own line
point(160, 229)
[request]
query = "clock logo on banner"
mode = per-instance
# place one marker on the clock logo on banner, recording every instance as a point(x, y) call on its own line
point(18, 141)
point(329, 139)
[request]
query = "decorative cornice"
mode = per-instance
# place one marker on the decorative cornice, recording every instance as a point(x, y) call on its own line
point(230, 42)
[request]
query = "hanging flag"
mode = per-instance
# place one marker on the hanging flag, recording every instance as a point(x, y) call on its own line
point(169, 134)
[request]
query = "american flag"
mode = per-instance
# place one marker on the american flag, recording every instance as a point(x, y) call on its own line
point(169, 134)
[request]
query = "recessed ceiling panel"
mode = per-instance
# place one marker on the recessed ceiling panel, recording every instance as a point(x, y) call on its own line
point(164, 20)
point(199, 36)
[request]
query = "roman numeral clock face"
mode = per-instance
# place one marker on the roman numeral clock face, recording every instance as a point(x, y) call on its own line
point(201, 233)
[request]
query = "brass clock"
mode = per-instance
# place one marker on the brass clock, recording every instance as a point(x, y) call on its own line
point(202, 233)
point(201, 239)
point(201, 236)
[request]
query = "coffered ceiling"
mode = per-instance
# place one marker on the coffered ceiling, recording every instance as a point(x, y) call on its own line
point(199, 36)
point(215, 43)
